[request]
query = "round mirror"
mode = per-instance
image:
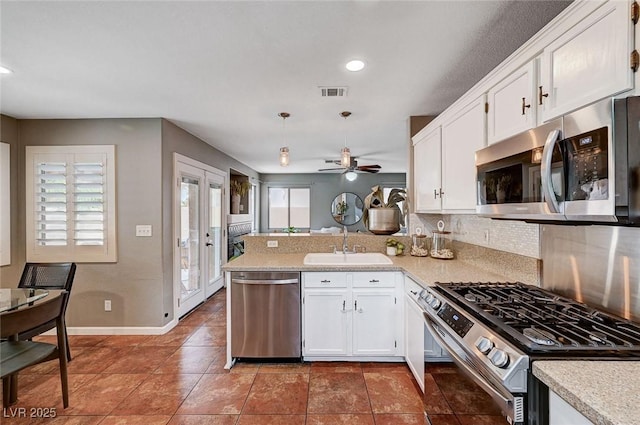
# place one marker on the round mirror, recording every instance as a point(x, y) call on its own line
point(346, 209)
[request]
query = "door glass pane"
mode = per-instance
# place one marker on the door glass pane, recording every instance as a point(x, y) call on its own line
point(189, 237)
point(214, 251)
point(300, 208)
point(278, 208)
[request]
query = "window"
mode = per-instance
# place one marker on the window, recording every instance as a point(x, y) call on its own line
point(289, 207)
point(71, 209)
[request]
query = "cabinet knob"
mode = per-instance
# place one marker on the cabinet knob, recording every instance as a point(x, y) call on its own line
point(524, 105)
point(541, 95)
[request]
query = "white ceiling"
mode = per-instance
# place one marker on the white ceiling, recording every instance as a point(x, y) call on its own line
point(224, 70)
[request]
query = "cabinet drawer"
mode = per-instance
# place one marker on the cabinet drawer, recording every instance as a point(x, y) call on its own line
point(324, 280)
point(374, 280)
point(411, 287)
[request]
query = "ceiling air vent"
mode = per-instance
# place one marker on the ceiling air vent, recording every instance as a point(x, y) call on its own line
point(333, 91)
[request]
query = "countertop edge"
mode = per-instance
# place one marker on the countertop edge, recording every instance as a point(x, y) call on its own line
point(574, 381)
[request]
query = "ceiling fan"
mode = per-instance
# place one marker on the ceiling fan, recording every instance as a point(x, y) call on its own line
point(353, 166)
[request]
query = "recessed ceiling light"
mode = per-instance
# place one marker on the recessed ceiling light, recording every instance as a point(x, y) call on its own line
point(4, 70)
point(355, 65)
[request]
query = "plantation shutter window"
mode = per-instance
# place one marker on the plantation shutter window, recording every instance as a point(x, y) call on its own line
point(71, 203)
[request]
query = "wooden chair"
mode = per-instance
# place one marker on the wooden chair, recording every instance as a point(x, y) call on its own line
point(47, 276)
point(16, 355)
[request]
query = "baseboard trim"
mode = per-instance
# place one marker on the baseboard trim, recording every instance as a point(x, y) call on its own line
point(117, 330)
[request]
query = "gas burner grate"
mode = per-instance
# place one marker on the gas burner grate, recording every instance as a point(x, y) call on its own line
point(541, 320)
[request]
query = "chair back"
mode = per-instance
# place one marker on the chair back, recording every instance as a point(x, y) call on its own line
point(48, 276)
point(23, 319)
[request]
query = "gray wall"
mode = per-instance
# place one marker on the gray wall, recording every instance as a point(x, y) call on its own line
point(175, 139)
point(324, 188)
point(134, 282)
point(140, 283)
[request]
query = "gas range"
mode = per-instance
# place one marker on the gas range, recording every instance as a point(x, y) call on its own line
point(493, 331)
point(542, 323)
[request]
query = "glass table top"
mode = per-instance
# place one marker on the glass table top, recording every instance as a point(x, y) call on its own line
point(14, 298)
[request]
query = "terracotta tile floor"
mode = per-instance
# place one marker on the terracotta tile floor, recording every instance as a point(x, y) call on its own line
point(179, 379)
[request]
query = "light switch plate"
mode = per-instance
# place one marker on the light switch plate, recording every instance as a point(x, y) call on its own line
point(143, 230)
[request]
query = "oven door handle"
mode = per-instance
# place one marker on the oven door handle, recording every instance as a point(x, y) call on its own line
point(505, 403)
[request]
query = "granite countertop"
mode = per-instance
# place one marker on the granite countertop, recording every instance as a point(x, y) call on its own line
point(425, 270)
point(606, 392)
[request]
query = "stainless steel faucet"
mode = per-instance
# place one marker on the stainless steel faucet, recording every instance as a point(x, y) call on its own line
point(345, 235)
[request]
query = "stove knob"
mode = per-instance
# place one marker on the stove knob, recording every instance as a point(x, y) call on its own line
point(499, 358)
point(484, 344)
point(429, 298)
point(435, 303)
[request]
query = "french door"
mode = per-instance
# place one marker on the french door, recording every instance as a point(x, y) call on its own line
point(199, 224)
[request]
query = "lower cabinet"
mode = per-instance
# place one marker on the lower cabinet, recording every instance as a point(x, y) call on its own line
point(352, 315)
point(562, 413)
point(414, 339)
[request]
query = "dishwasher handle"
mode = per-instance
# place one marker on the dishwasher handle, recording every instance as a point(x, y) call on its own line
point(265, 281)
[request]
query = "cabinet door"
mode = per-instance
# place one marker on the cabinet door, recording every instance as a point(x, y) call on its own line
point(562, 413)
point(427, 177)
point(374, 322)
point(512, 106)
point(326, 315)
point(414, 340)
point(462, 136)
point(589, 62)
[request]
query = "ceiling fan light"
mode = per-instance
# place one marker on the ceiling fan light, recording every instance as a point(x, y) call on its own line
point(351, 175)
point(345, 157)
point(284, 156)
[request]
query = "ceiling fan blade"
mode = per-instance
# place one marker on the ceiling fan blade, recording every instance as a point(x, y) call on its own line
point(366, 170)
point(370, 167)
point(332, 169)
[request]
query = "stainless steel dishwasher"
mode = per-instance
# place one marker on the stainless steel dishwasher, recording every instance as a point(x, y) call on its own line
point(265, 314)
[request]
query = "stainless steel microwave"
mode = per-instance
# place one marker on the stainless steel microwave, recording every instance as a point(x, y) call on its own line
point(583, 167)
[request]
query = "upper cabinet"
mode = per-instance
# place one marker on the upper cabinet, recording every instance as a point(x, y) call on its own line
point(588, 62)
point(463, 133)
point(444, 158)
point(428, 177)
point(512, 104)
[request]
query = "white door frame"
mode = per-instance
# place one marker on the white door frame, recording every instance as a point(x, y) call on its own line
point(178, 160)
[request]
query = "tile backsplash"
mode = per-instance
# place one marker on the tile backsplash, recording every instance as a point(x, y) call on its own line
point(516, 237)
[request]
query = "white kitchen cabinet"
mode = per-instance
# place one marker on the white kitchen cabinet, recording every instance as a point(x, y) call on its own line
point(359, 320)
point(374, 324)
point(433, 352)
point(463, 133)
point(512, 104)
point(588, 62)
point(414, 333)
point(562, 413)
point(326, 322)
point(428, 179)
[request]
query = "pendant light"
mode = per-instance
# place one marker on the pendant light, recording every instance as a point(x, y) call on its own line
point(284, 151)
point(345, 153)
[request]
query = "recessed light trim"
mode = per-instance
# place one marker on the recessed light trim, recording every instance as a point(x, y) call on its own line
point(4, 70)
point(355, 65)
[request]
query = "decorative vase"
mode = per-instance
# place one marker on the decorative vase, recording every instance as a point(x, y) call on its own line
point(235, 204)
point(384, 221)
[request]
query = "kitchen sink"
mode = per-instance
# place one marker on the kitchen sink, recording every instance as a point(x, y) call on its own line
point(340, 259)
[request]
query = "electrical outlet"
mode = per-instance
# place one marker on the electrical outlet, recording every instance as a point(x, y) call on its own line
point(107, 305)
point(272, 244)
point(143, 230)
